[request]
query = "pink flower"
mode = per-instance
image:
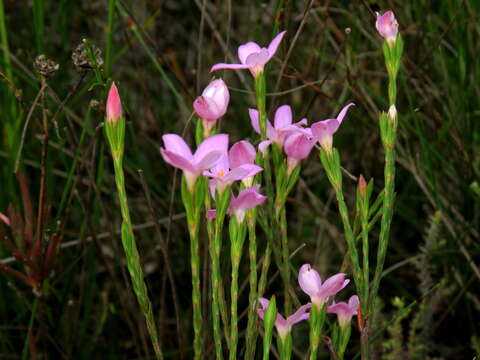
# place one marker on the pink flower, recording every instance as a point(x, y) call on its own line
point(311, 284)
point(252, 56)
point(178, 154)
point(282, 126)
point(324, 130)
point(242, 153)
point(4, 219)
point(345, 311)
point(114, 105)
point(223, 174)
point(284, 326)
point(297, 147)
point(212, 104)
point(387, 26)
point(246, 199)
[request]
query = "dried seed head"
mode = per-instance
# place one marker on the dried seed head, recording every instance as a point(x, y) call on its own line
point(45, 66)
point(82, 61)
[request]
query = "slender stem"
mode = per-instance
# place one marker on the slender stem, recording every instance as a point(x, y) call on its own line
point(364, 345)
point(251, 337)
point(132, 256)
point(331, 162)
point(262, 285)
point(236, 246)
point(109, 40)
point(317, 318)
point(196, 290)
point(217, 332)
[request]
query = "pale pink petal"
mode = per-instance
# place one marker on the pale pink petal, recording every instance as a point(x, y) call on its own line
point(176, 144)
point(309, 280)
point(222, 167)
point(272, 48)
point(222, 66)
point(300, 314)
point(333, 285)
point(217, 143)
point(247, 199)
point(258, 59)
point(242, 172)
point(4, 219)
point(324, 130)
point(354, 304)
point(242, 152)
point(271, 133)
point(177, 161)
point(206, 108)
point(208, 161)
point(264, 305)
point(298, 146)
point(264, 145)
point(283, 117)
point(303, 122)
point(245, 50)
point(343, 112)
point(253, 113)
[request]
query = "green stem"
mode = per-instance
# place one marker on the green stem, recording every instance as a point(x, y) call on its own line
point(215, 278)
point(331, 163)
point(317, 319)
point(251, 337)
point(109, 40)
point(193, 219)
point(237, 237)
point(132, 256)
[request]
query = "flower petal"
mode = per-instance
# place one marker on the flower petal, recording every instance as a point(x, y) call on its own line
point(272, 48)
point(333, 285)
point(218, 143)
point(176, 144)
point(242, 152)
point(245, 50)
point(253, 113)
point(242, 172)
point(309, 280)
point(264, 145)
point(257, 59)
point(177, 161)
point(283, 117)
point(343, 112)
point(300, 314)
point(221, 66)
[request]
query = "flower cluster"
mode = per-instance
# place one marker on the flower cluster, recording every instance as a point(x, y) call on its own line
point(320, 294)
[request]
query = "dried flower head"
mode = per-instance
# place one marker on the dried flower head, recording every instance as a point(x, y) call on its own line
point(45, 66)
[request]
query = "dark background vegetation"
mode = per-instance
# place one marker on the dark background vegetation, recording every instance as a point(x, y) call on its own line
point(429, 306)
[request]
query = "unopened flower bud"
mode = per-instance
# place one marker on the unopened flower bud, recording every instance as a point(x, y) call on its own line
point(392, 114)
point(114, 105)
point(387, 26)
point(212, 104)
point(362, 186)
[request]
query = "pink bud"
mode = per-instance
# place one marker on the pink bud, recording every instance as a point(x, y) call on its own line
point(213, 102)
point(387, 26)
point(114, 105)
